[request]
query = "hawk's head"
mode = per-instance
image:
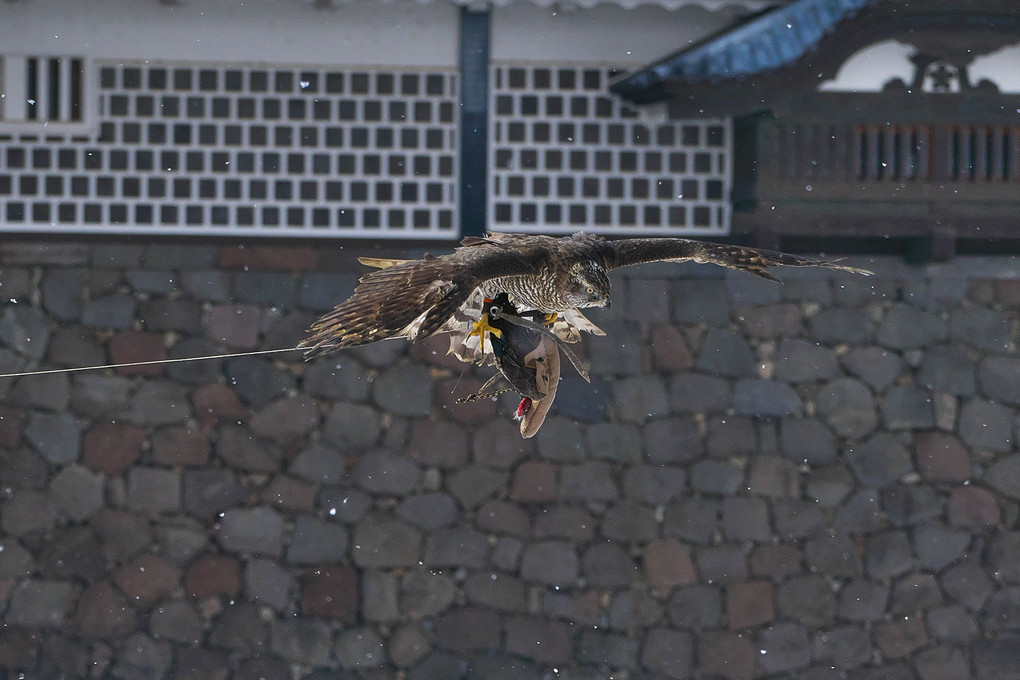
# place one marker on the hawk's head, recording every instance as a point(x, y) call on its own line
point(587, 285)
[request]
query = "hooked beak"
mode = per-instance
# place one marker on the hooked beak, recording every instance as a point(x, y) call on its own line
point(607, 302)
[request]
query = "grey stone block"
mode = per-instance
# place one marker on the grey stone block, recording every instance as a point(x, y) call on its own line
point(321, 291)
point(765, 398)
point(1000, 379)
point(840, 325)
point(692, 520)
point(456, 547)
point(937, 546)
point(607, 565)
point(49, 392)
point(347, 504)
point(56, 436)
point(968, 584)
point(796, 518)
point(194, 372)
point(809, 600)
point(632, 609)
point(552, 563)
point(336, 377)
point(879, 461)
point(177, 622)
point(240, 448)
point(673, 440)
point(717, 477)
point(829, 484)
point(878, 367)
point(26, 512)
point(380, 593)
point(807, 440)
point(302, 641)
point(426, 593)
point(915, 592)
point(888, 555)
point(319, 465)
point(15, 561)
point(206, 285)
point(251, 530)
point(701, 301)
point(159, 403)
point(78, 492)
point(746, 519)
point(861, 513)
point(834, 555)
point(112, 311)
point(39, 603)
point(906, 407)
point(948, 369)
point(981, 328)
point(862, 600)
point(987, 425)
point(611, 441)
point(404, 389)
point(951, 624)
point(352, 427)
point(153, 490)
point(590, 481)
point(800, 361)
point(316, 541)
point(382, 472)
point(727, 354)
point(848, 407)
point(267, 582)
point(96, 395)
point(668, 653)
point(907, 327)
point(698, 393)
point(697, 606)
point(429, 511)
point(25, 331)
point(475, 484)
point(640, 398)
point(384, 541)
point(785, 647)
point(628, 521)
point(141, 658)
point(265, 288)
point(209, 491)
point(655, 484)
point(258, 381)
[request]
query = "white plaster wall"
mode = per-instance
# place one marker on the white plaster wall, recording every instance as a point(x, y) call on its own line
point(286, 31)
point(605, 33)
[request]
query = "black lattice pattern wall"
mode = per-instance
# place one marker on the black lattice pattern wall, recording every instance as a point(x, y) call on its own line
point(246, 149)
point(566, 156)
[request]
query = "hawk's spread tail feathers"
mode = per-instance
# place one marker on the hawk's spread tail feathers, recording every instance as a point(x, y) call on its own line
point(404, 299)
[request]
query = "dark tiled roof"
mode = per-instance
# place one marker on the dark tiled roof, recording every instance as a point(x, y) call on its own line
point(774, 38)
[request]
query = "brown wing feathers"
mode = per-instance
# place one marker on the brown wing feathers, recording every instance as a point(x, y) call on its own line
point(751, 260)
point(383, 305)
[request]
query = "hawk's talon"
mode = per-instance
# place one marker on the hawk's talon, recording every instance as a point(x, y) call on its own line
point(550, 319)
point(482, 326)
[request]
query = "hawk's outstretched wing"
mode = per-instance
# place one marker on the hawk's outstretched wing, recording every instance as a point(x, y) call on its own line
point(751, 260)
point(415, 298)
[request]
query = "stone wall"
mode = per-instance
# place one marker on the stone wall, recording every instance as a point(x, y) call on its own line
point(819, 478)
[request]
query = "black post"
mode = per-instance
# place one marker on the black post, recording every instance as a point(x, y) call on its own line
point(474, 117)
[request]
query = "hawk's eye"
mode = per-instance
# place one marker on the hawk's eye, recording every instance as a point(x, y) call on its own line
point(590, 290)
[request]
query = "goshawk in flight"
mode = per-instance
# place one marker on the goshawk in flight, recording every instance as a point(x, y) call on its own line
point(542, 276)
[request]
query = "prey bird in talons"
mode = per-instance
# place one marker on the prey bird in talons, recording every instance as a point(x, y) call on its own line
point(541, 275)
